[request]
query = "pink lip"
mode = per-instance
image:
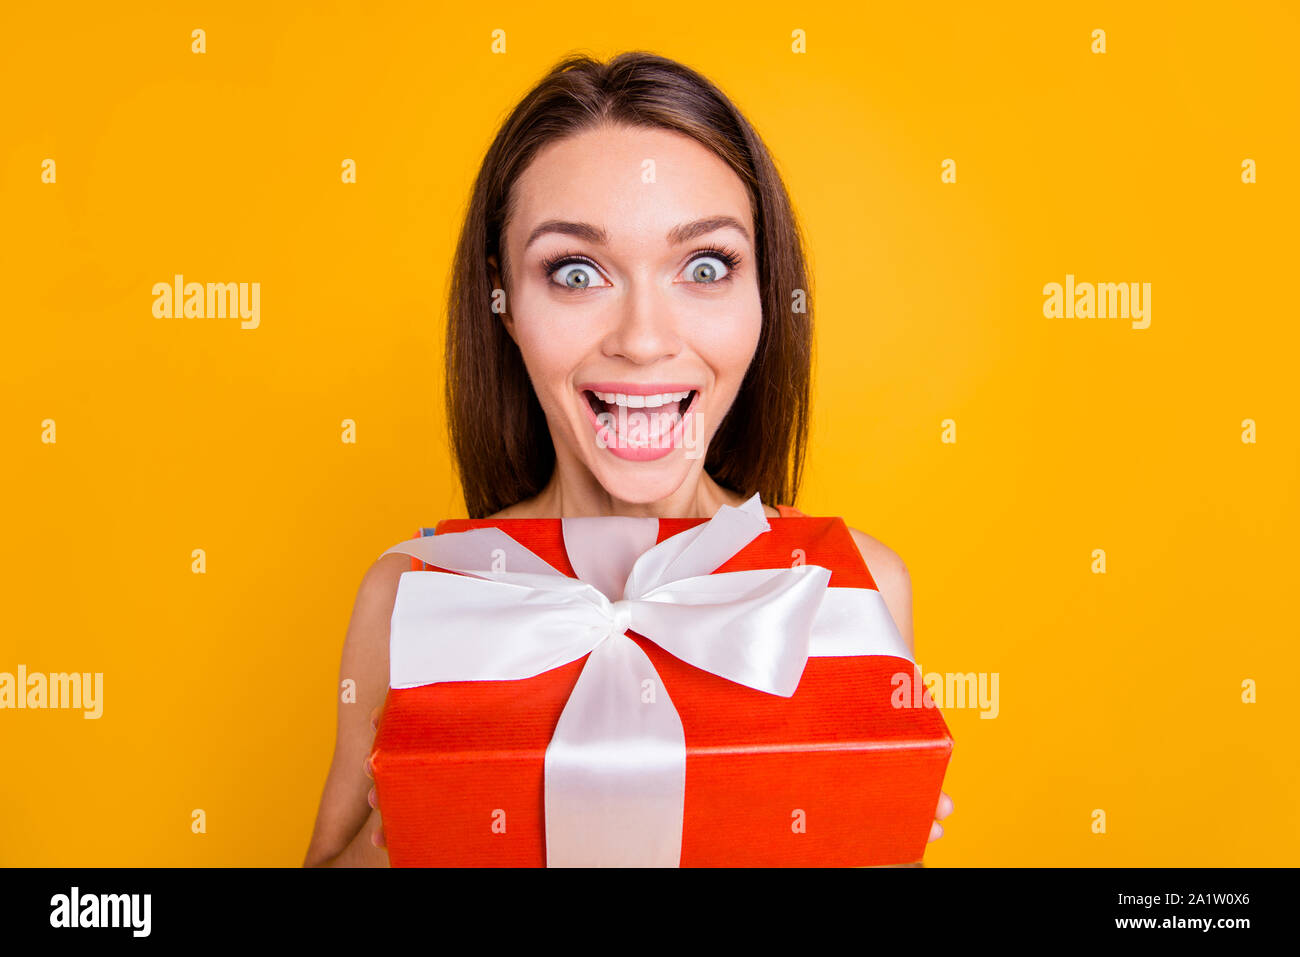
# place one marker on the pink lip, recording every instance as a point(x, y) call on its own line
point(632, 388)
point(646, 453)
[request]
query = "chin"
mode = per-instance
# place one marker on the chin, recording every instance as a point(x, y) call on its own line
point(642, 483)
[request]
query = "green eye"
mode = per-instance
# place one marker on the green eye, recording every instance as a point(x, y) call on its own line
point(577, 278)
point(577, 275)
point(708, 269)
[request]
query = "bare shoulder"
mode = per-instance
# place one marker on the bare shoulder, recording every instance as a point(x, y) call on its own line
point(878, 556)
point(376, 596)
point(891, 577)
point(365, 648)
point(380, 579)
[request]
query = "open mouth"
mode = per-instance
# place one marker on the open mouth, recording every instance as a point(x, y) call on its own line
point(642, 426)
point(610, 403)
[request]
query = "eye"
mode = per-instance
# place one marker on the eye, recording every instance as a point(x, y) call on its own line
point(707, 269)
point(576, 274)
point(711, 267)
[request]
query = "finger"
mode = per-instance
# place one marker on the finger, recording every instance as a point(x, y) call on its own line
point(372, 799)
point(936, 831)
point(370, 771)
point(374, 717)
point(377, 837)
point(945, 808)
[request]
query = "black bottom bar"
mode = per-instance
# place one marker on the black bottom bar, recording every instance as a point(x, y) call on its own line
point(975, 906)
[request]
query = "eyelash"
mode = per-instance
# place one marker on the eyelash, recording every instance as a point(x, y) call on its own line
point(729, 257)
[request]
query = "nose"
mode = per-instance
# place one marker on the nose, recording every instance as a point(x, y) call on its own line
point(645, 328)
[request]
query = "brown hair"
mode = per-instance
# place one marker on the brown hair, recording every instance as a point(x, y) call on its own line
point(759, 445)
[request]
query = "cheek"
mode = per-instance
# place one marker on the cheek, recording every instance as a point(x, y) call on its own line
point(727, 339)
point(551, 340)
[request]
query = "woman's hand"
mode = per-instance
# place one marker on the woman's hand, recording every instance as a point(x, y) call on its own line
point(374, 824)
point(943, 810)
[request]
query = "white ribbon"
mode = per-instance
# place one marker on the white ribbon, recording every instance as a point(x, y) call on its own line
point(615, 768)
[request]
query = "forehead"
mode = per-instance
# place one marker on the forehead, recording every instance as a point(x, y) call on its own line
point(631, 181)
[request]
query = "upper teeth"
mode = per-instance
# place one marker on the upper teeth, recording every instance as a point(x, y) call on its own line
point(641, 401)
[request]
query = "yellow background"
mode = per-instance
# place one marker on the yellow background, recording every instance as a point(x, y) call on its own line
point(1119, 691)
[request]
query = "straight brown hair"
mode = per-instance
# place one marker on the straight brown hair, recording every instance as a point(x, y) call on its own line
point(498, 431)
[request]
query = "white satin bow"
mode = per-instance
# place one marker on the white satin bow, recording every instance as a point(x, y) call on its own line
point(616, 765)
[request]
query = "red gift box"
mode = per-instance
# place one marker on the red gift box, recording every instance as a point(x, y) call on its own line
point(835, 775)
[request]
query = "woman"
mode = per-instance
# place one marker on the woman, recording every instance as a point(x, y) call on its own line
point(629, 334)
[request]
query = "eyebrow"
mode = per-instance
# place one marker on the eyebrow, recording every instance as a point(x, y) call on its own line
point(677, 235)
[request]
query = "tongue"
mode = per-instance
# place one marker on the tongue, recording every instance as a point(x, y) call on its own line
point(642, 426)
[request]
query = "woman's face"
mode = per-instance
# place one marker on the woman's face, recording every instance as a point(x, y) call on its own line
point(633, 297)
